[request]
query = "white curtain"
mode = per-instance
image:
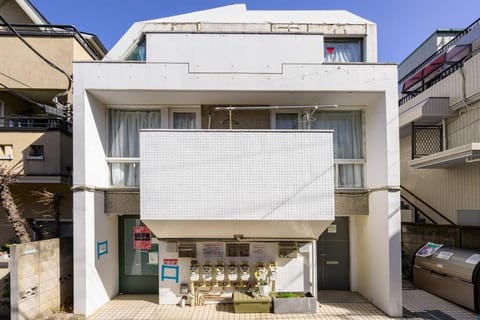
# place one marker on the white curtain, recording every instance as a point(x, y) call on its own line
point(343, 51)
point(124, 127)
point(347, 143)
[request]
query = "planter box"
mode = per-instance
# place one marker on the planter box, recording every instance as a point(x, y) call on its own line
point(305, 304)
point(244, 303)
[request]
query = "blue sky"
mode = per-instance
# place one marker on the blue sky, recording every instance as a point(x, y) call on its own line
point(402, 24)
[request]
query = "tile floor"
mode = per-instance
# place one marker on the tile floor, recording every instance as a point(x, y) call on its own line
point(133, 307)
point(341, 305)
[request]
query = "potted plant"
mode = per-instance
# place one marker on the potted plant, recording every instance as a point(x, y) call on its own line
point(294, 302)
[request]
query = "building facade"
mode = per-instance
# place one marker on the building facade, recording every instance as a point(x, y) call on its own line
point(439, 129)
point(35, 135)
point(213, 149)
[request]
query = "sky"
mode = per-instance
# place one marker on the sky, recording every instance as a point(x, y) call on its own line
point(402, 25)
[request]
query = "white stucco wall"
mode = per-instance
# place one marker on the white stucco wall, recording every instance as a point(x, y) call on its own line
point(95, 277)
point(264, 53)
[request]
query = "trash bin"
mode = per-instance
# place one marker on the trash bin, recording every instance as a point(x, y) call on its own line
point(450, 273)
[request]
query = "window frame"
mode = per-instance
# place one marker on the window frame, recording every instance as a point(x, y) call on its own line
point(4, 154)
point(339, 161)
point(166, 120)
point(36, 157)
point(360, 40)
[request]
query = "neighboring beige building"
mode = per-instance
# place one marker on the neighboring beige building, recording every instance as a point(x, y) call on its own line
point(35, 138)
point(440, 128)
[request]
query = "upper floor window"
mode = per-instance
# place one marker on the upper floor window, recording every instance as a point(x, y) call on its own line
point(343, 50)
point(184, 120)
point(124, 127)
point(36, 152)
point(347, 141)
point(139, 53)
point(6, 152)
point(124, 137)
point(284, 120)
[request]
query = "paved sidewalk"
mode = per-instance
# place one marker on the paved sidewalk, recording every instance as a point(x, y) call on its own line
point(418, 303)
point(342, 305)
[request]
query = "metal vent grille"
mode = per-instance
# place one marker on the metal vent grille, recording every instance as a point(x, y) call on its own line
point(187, 250)
point(426, 140)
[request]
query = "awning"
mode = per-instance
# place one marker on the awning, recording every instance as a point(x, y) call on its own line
point(449, 158)
point(428, 111)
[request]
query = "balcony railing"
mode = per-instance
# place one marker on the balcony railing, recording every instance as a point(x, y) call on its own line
point(441, 64)
point(51, 30)
point(27, 123)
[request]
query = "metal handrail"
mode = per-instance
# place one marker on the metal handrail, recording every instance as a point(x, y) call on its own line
point(417, 210)
point(440, 51)
point(445, 73)
point(427, 205)
point(34, 122)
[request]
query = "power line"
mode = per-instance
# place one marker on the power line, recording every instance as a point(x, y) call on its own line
point(50, 63)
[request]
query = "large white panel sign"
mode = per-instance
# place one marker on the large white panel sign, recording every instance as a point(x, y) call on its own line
point(236, 175)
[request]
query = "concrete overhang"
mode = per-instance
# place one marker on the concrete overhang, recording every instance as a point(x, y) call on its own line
point(429, 111)
point(182, 97)
point(449, 158)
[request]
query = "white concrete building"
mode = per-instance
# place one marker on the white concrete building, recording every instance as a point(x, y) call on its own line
point(180, 161)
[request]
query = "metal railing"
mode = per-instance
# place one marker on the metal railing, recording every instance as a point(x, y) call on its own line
point(442, 50)
point(444, 73)
point(422, 212)
point(52, 30)
point(424, 85)
point(20, 123)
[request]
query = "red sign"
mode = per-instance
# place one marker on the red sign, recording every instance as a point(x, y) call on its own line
point(142, 238)
point(330, 50)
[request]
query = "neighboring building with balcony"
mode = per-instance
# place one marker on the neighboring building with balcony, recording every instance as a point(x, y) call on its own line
point(36, 137)
point(440, 129)
point(235, 136)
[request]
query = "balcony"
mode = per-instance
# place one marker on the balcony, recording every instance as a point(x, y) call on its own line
point(38, 149)
point(277, 184)
point(442, 64)
point(34, 123)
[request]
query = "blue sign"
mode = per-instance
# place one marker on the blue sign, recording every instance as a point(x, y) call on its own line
point(102, 248)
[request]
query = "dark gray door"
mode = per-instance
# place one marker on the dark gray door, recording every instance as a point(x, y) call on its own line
point(333, 257)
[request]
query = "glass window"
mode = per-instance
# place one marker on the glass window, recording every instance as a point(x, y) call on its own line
point(184, 120)
point(36, 152)
point(124, 127)
point(286, 120)
point(140, 52)
point(347, 144)
point(124, 142)
point(139, 251)
point(343, 50)
point(348, 132)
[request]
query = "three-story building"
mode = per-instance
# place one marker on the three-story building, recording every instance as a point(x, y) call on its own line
point(232, 137)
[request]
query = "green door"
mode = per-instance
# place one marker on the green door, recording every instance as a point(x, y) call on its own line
point(138, 268)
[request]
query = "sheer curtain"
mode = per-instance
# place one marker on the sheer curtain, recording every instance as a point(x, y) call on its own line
point(347, 143)
point(124, 127)
point(184, 120)
point(343, 51)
